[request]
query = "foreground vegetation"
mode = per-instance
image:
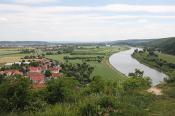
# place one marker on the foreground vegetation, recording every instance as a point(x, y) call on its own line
point(68, 96)
point(163, 105)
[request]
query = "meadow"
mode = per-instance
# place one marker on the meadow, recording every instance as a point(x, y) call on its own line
point(103, 69)
point(168, 58)
point(8, 55)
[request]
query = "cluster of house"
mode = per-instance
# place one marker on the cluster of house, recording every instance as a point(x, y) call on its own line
point(36, 74)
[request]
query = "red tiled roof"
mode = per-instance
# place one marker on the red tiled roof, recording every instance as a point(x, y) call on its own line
point(13, 72)
point(36, 76)
point(44, 67)
point(1, 72)
point(35, 69)
point(56, 74)
point(17, 72)
point(55, 68)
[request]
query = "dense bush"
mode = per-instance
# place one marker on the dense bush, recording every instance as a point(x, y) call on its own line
point(60, 91)
point(89, 109)
point(14, 94)
point(81, 72)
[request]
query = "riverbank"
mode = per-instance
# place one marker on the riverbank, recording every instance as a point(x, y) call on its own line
point(157, 63)
point(165, 101)
point(124, 63)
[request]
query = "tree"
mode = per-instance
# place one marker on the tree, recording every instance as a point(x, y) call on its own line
point(14, 94)
point(137, 73)
point(97, 85)
point(60, 90)
point(34, 64)
point(48, 73)
point(81, 72)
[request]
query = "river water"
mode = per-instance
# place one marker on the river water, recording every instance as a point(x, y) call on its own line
point(124, 63)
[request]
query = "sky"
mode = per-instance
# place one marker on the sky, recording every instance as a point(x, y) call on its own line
point(86, 20)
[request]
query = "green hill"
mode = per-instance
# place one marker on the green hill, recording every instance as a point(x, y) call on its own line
point(166, 45)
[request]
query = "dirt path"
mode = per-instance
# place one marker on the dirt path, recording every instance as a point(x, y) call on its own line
point(155, 90)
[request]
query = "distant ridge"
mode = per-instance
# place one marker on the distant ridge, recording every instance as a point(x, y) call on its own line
point(166, 45)
point(132, 42)
point(18, 43)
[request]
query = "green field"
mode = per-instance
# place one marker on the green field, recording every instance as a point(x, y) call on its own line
point(103, 69)
point(168, 58)
point(10, 55)
point(8, 52)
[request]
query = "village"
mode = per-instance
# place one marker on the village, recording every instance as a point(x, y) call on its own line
point(38, 69)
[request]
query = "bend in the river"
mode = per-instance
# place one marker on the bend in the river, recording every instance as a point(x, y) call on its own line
point(124, 63)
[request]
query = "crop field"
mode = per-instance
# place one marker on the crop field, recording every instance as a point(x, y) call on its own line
point(8, 51)
point(103, 69)
point(168, 58)
point(10, 55)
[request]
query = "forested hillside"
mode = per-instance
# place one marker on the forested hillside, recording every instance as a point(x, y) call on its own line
point(166, 45)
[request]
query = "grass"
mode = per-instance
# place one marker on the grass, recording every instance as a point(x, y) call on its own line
point(103, 69)
point(4, 52)
point(164, 105)
point(10, 55)
point(168, 58)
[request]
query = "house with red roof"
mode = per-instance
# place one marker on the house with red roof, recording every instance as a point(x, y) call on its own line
point(55, 69)
point(55, 75)
point(35, 69)
point(36, 77)
point(12, 72)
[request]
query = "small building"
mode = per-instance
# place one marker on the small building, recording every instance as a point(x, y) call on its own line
point(12, 72)
point(35, 69)
point(55, 69)
point(37, 78)
point(107, 45)
point(19, 63)
point(27, 63)
point(56, 75)
point(8, 64)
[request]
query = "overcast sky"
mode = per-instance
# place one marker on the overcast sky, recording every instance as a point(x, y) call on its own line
point(86, 20)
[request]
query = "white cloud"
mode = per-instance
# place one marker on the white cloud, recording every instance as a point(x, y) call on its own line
point(118, 8)
point(138, 8)
point(85, 23)
point(3, 19)
point(34, 1)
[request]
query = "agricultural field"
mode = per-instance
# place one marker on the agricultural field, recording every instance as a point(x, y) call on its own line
point(10, 55)
point(168, 58)
point(8, 51)
point(103, 69)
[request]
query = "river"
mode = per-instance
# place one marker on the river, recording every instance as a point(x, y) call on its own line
point(124, 63)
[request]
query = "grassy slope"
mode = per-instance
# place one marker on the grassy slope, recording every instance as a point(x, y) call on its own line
point(104, 69)
point(163, 105)
point(166, 45)
point(168, 58)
